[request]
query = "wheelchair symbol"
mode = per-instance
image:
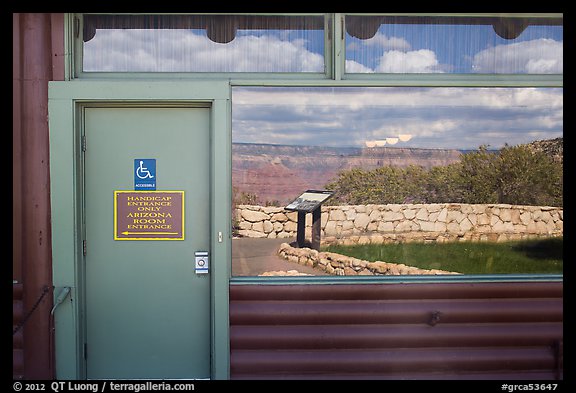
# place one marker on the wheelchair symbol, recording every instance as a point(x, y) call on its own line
point(142, 172)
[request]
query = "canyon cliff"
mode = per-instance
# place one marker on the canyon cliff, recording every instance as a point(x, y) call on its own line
point(277, 174)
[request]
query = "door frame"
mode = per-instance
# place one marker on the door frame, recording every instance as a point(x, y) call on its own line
point(66, 100)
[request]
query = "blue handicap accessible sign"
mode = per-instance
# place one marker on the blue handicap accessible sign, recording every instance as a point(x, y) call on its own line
point(145, 174)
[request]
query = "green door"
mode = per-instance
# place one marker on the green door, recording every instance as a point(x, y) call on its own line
point(147, 307)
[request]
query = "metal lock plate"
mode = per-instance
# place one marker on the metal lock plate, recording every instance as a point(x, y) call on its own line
point(201, 262)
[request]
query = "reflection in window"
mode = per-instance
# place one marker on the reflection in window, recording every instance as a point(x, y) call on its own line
point(411, 44)
point(411, 166)
point(202, 43)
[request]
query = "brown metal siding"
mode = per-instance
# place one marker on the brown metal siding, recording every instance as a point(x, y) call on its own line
point(38, 57)
point(17, 339)
point(397, 331)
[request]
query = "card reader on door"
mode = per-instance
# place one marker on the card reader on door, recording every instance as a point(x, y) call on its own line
point(202, 264)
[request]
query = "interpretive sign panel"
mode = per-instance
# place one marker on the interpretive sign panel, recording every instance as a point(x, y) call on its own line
point(148, 215)
point(309, 200)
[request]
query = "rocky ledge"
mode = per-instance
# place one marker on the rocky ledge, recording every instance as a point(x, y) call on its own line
point(342, 265)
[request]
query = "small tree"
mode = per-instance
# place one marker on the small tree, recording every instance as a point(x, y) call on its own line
point(446, 184)
point(528, 177)
point(516, 175)
point(479, 173)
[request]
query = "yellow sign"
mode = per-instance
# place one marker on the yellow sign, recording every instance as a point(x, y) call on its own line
point(148, 215)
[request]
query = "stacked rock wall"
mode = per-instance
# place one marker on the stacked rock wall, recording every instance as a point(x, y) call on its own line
point(342, 265)
point(393, 223)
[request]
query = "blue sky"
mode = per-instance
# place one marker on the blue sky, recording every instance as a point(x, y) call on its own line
point(394, 48)
point(462, 118)
point(457, 49)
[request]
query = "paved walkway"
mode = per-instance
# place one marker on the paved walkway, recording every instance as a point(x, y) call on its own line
point(252, 257)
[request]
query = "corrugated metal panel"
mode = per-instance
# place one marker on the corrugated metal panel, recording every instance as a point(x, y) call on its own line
point(397, 331)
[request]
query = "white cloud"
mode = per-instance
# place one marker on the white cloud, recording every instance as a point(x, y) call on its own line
point(434, 117)
point(541, 56)
point(357, 68)
point(174, 50)
point(357, 99)
point(419, 61)
point(388, 43)
point(184, 51)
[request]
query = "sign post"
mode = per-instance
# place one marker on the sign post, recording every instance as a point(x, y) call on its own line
point(309, 202)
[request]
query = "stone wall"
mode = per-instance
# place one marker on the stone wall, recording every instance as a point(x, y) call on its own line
point(393, 223)
point(342, 265)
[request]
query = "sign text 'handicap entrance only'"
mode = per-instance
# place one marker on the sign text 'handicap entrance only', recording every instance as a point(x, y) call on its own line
point(148, 215)
point(145, 174)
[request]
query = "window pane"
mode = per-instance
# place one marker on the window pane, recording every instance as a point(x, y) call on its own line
point(408, 166)
point(406, 44)
point(201, 43)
